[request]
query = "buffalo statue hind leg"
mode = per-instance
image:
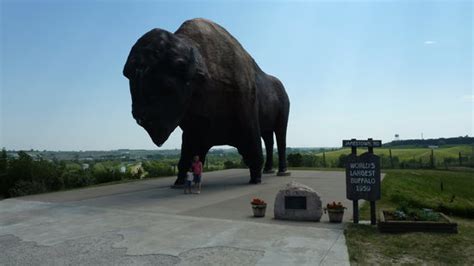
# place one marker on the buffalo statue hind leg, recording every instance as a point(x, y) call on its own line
point(268, 139)
point(183, 166)
point(280, 134)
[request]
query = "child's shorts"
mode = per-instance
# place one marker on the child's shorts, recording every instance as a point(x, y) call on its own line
point(188, 183)
point(197, 179)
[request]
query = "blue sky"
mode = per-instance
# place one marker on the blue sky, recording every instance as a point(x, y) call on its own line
point(351, 69)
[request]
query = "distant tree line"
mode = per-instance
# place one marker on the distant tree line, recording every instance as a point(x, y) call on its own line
point(232, 164)
point(24, 175)
point(157, 168)
point(306, 160)
point(432, 142)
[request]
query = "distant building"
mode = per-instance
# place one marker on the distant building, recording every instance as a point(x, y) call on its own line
point(433, 147)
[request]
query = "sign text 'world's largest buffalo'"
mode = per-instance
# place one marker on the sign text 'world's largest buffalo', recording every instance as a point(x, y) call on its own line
point(363, 177)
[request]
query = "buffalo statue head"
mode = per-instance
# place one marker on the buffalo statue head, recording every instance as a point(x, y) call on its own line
point(162, 69)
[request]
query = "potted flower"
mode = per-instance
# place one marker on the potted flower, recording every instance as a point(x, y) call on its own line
point(335, 212)
point(258, 206)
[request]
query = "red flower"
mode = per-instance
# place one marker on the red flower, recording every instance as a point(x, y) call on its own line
point(257, 201)
point(335, 205)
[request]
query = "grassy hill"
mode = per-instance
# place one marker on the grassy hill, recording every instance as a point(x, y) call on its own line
point(407, 154)
point(418, 189)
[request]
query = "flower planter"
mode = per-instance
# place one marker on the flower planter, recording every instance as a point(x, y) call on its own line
point(335, 215)
point(389, 225)
point(335, 212)
point(259, 210)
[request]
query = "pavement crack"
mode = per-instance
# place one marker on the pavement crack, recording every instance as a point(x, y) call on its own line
point(329, 249)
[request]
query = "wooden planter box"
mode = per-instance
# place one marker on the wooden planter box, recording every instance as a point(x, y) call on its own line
point(444, 225)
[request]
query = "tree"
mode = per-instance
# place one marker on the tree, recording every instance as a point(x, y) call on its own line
point(229, 164)
point(25, 176)
point(48, 174)
point(309, 160)
point(342, 161)
point(295, 159)
point(3, 172)
point(157, 168)
point(20, 169)
point(3, 161)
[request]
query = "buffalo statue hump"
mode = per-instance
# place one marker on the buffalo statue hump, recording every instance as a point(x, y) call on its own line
point(201, 79)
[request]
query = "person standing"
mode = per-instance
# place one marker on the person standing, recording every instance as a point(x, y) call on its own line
point(189, 181)
point(197, 170)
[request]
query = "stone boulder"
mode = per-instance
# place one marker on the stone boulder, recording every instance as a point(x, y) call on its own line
point(298, 202)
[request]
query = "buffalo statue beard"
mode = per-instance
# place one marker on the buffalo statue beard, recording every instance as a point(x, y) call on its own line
point(201, 79)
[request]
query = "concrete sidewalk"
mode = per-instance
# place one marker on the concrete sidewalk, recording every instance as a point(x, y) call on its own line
point(147, 222)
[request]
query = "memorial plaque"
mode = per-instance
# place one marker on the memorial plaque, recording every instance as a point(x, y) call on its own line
point(295, 203)
point(363, 177)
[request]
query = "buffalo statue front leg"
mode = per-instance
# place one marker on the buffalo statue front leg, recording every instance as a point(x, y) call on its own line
point(190, 147)
point(185, 159)
point(183, 167)
point(251, 151)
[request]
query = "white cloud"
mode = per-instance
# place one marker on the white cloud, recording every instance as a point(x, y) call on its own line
point(429, 42)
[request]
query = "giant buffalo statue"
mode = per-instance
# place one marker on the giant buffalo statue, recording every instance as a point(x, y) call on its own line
point(201, 79)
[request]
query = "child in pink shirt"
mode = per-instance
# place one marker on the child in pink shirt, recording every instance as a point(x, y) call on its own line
point(197, 170)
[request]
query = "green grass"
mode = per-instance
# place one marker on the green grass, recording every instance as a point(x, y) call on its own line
point(420, 188)
point(367, 246)
point(405, 154)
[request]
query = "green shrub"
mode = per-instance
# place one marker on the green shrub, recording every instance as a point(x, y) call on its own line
point(341, 163)
point(295, 160)
point(23, 188)
point(76, 179)
point(48, 174)
point(107, 175)
point(156, 168)
point(231, 164)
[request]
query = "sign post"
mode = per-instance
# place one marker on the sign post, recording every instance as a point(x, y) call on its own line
point(363, 175)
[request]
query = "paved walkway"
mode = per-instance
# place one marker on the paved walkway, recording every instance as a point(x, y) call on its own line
point(148, 223)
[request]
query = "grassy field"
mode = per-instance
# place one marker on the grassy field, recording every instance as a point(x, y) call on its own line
point(419, 188)
point(409, 153)
point(368, 247)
